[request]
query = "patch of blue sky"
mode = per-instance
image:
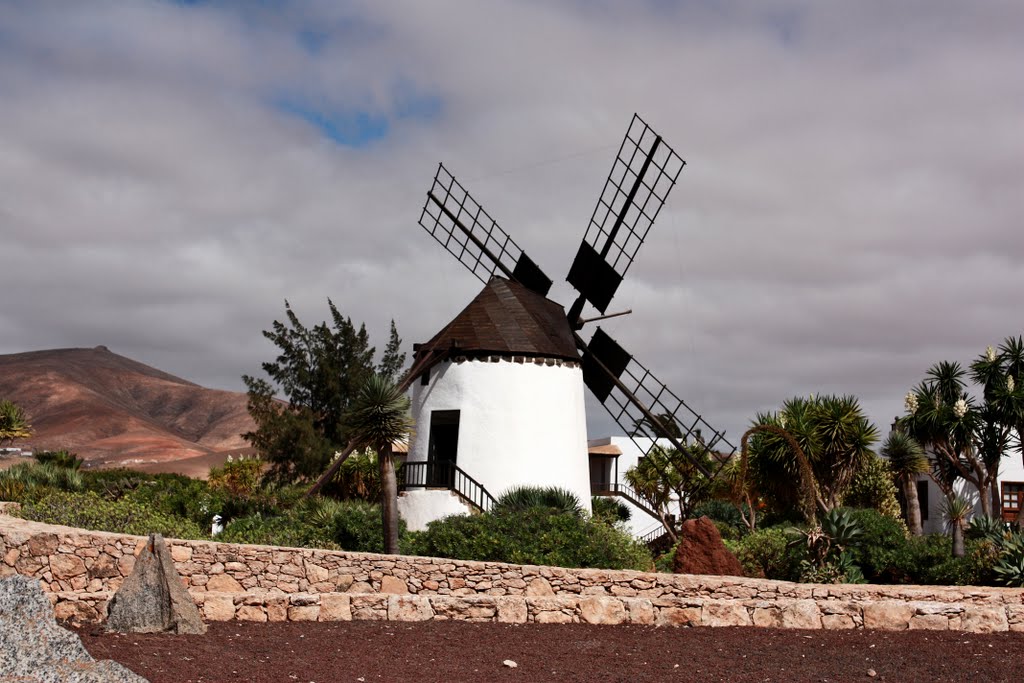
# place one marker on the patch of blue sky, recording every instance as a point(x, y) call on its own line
point(358, 127)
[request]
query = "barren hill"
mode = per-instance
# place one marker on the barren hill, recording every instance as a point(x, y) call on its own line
point(112, 410)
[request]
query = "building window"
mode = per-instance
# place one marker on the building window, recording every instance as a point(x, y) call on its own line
point(1013, 494)
point(922, 498)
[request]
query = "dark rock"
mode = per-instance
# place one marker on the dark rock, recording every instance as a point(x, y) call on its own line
point(34, 649)
point(701, 551)
point(152, 599)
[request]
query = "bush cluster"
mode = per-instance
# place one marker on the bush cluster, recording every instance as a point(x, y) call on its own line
point(90, 511)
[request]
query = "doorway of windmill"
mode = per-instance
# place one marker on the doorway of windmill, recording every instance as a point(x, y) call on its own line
point(442, 451)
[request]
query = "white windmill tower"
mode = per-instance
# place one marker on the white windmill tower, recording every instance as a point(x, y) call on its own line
point(498, 392)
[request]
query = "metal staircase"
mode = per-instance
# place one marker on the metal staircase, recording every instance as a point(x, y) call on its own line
point(432, 474)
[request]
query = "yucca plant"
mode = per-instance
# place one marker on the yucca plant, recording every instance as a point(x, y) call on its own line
point(956, 510)
point(907, 460)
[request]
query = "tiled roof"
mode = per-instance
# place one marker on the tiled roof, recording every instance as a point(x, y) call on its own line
point(506, 319)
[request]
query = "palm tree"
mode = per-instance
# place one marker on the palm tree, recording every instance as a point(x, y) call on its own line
point(378, 418)
point(907, 460)
point(832, 434)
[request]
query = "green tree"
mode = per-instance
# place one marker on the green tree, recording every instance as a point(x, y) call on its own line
point(13, 424)
point(378, 418)
point(670, 482)
point(811, 449)
point(960, 437)
point(907, 460)
point(318, 370)
point(1000, 372)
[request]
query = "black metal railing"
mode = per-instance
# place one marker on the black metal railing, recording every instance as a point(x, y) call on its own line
point(624, 491)
point(443, 474)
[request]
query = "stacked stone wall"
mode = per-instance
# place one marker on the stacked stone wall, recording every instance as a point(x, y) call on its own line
point(81, 570)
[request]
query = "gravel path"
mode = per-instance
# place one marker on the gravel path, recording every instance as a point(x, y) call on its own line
point(450, 652)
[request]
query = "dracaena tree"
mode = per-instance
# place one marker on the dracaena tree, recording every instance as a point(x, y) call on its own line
point(907, 460)
point(1000, 374)
point(964, 438)
point(810, 450)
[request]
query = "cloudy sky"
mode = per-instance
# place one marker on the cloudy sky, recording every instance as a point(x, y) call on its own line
point(850, 212)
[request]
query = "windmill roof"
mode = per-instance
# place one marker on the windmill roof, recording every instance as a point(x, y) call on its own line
point(506, 318)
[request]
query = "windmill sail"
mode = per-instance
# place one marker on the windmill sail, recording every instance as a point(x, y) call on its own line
point(643, 173)
point(462, 226)
point(643, 405)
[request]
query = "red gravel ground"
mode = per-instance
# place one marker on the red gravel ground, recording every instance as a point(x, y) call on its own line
point(450, 652)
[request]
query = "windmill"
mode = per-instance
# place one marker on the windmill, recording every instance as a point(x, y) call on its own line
point(643, 173)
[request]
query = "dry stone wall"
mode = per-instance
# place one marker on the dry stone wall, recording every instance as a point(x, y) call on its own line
point(81, 570)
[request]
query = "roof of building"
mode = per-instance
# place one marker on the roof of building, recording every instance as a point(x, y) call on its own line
point(506, 319)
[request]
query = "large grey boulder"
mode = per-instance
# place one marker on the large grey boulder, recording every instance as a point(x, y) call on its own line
point(34, 649)
point(152, 599)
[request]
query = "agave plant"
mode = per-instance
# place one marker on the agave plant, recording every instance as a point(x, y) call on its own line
point(1009, 569)
point(991, 529)
point(826, 545)
point(520, 498)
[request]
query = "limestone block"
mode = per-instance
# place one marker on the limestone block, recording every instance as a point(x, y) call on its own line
point(315, 573)
point(679, 616)
point(125, 564)
point(929, 622)
point(409, 608)
point(40, 545)
point(104, 567)
point(801, 614)
point(598, 610)
point(277, 609)
point(181, 553)
point(767, 615)
point(251, 613)
point(511, 610)
point(837, 621)
point(538, 587)
point(66, 566)
point(372, 606)
point(725, 613)
point(304, 613)
point(553, 618)
point(889, 615)
point(639, 610)
point(224, 583)
point(977, 619)
point(218, 608)
point(360, 587)
point(76, 612)
point(335, 607)
point(393, 585)
point(11, 556)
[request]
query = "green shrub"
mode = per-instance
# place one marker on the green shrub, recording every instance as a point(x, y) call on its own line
point(766, 553)
point(31, 481)
point(115, 483)
point(59, 459)
point(89, 511)
point(873, 488)
point(239, 478)
point(176, 494)
point(725, 516)
point(282, 530)
point(533, 536)
point(358, 527)
point(610, 510)
point(882, 552)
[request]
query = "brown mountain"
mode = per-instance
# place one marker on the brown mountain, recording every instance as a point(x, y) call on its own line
point(113, 411)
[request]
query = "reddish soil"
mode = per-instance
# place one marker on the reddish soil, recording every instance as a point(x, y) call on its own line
point(701, 551)
point(457, 651)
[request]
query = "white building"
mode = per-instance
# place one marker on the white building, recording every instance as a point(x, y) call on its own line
point(498, 405)
point(1011, 489)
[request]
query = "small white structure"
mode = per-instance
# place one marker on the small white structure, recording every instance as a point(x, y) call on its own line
point(498, 405)
point(1011, 490)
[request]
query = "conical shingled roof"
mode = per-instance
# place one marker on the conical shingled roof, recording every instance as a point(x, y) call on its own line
point(506, 319)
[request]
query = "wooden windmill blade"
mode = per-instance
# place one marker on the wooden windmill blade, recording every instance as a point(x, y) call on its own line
point(644, 406)
point(643, 173)
point(462, 226)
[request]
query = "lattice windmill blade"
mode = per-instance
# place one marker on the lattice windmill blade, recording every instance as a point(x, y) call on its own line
point(643, 173)
point(462, 226)
point(642, 404)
